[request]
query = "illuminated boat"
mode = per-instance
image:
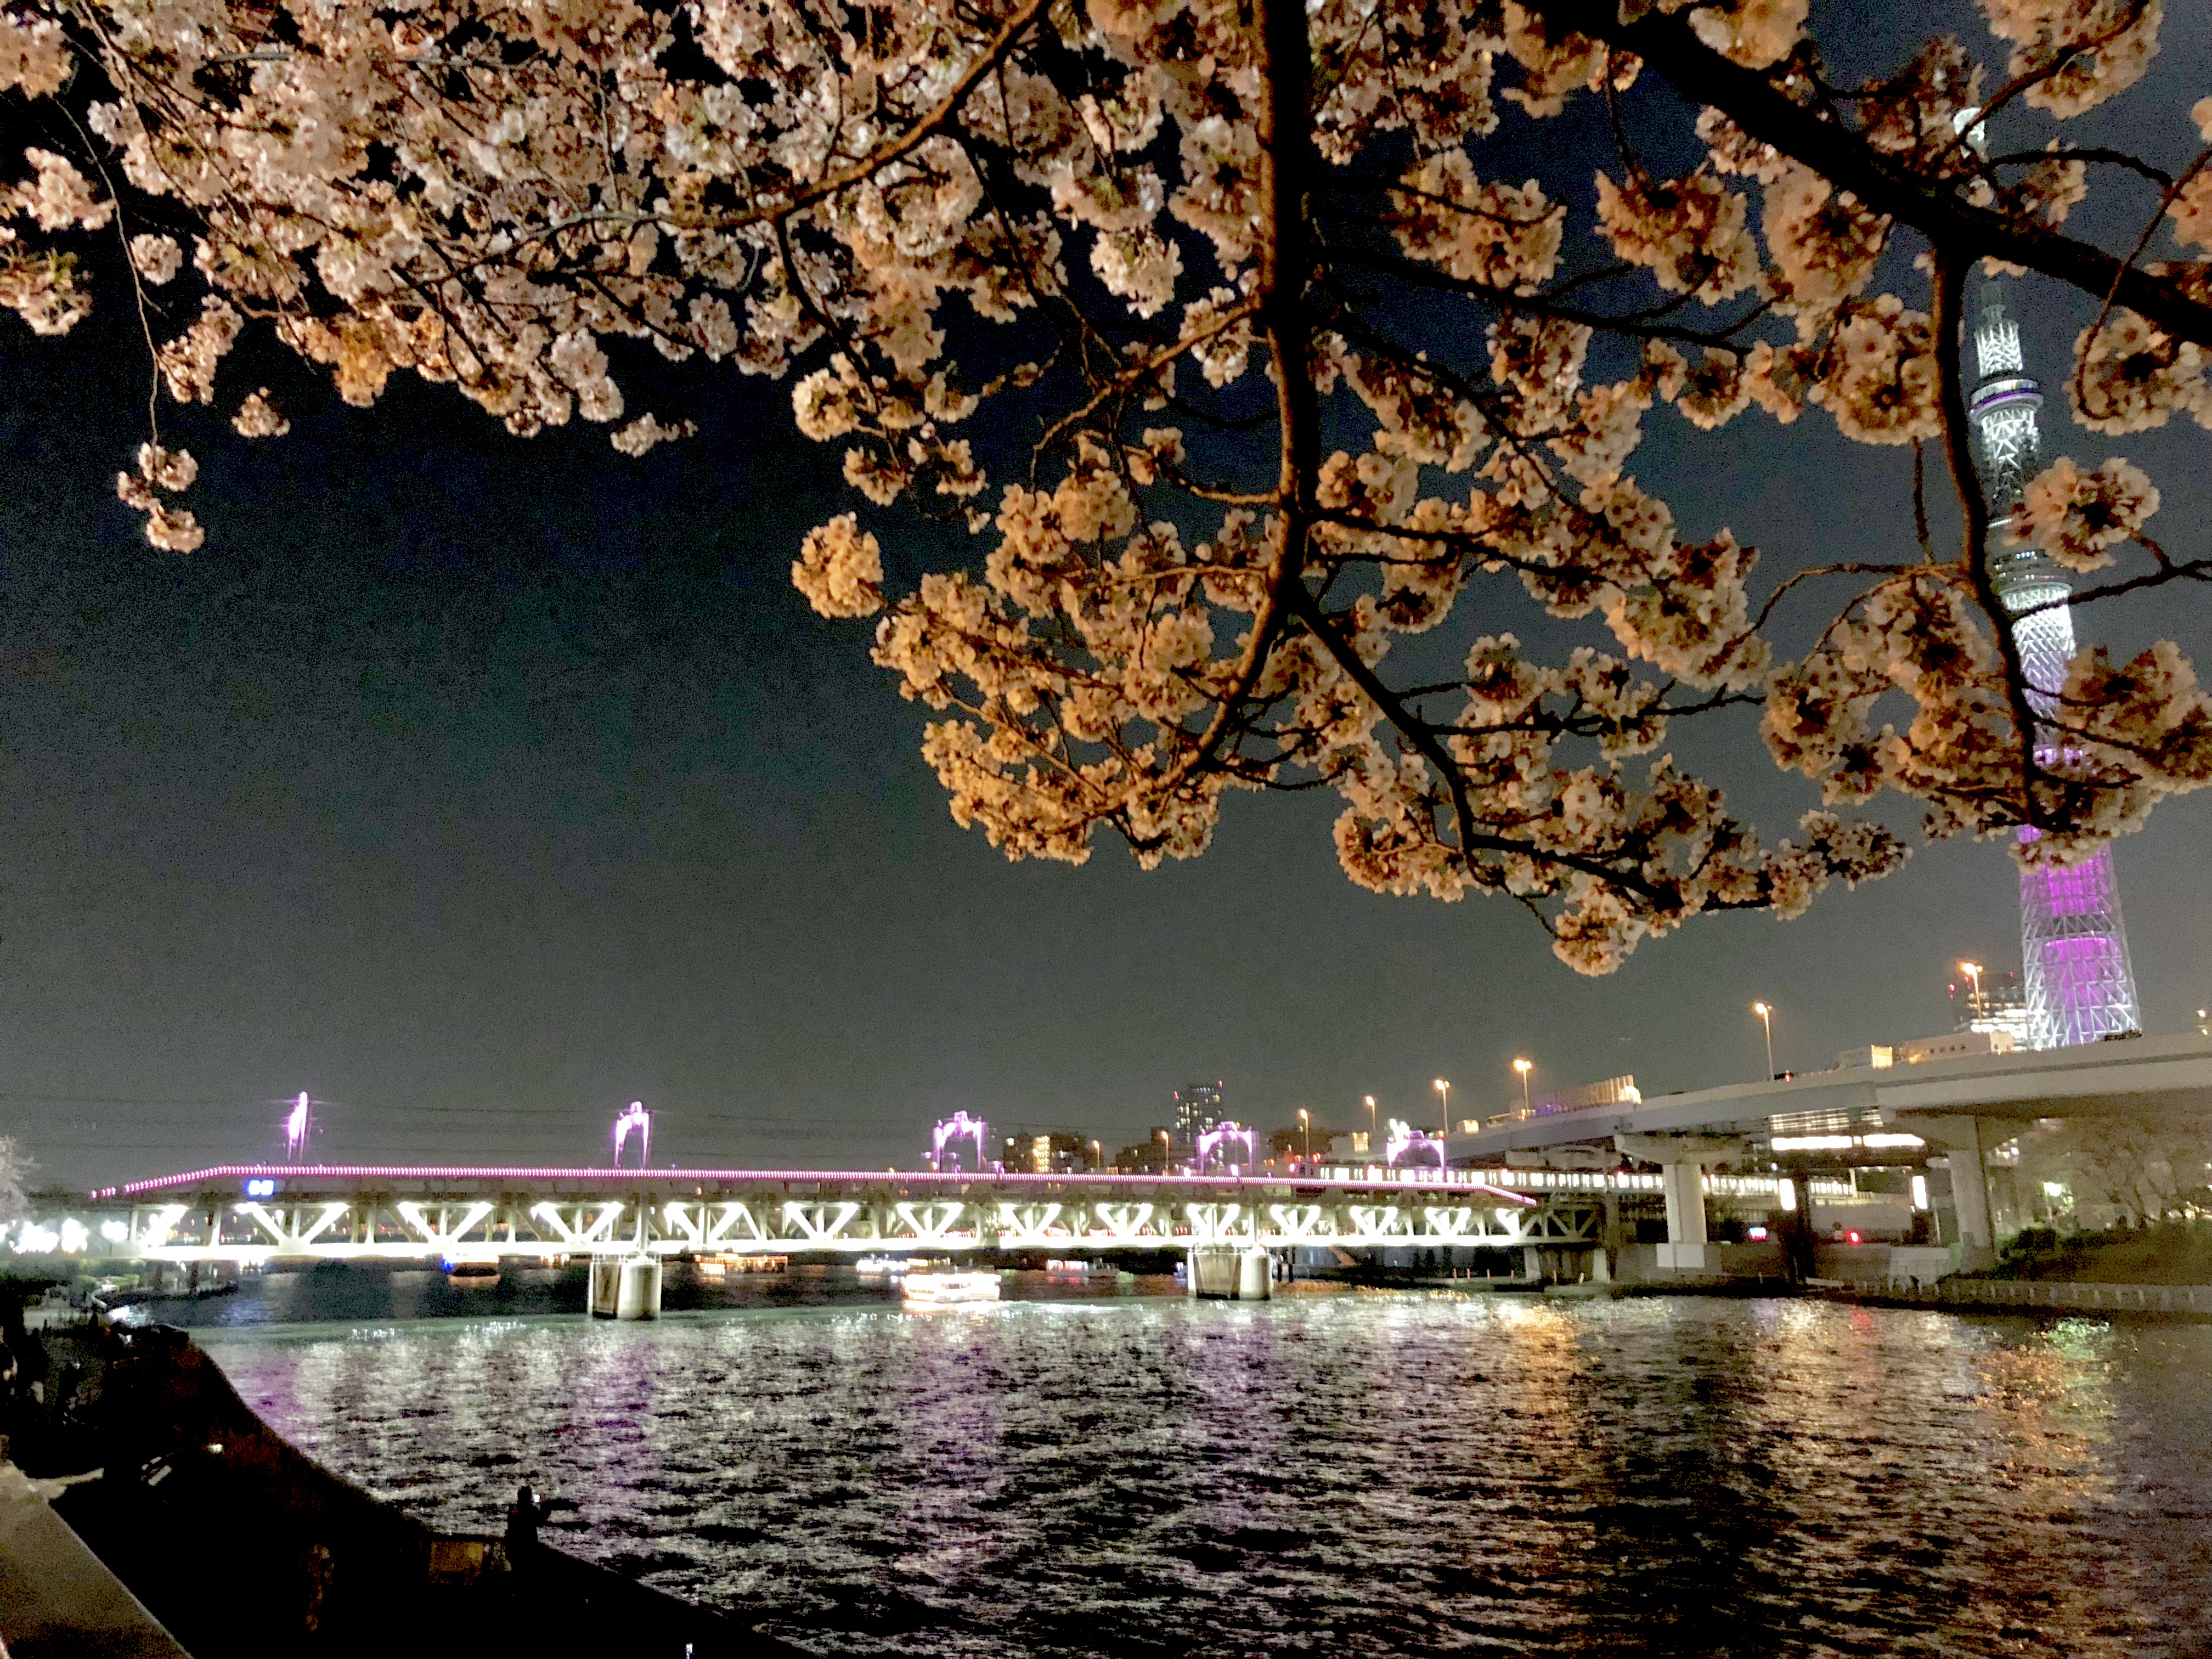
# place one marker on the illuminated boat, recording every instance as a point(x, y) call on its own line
point(944, 1290)
point(473, 1275)
point(726, 1262)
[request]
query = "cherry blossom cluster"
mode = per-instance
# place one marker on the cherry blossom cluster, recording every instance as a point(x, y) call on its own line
point(1314, 376)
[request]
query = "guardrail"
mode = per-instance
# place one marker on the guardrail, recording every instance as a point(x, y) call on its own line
point(2060, 1293)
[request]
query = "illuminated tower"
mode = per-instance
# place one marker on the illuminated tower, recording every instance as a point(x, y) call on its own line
point(2074, 946)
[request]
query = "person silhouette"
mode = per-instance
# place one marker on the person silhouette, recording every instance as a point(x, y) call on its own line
point(524, 1517)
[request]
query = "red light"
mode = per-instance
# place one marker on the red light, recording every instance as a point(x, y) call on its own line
point(1853, 1237)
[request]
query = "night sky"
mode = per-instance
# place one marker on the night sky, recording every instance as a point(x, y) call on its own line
point(480, 785)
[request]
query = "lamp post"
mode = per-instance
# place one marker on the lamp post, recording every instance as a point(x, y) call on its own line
point(1372, 1135)
point(1972, 970)
point(1525, 1066)
point(1443, 1093)
point(1767, 1019)
point(1166, 1152)
point(1306, 1124)
point(1097, 1156)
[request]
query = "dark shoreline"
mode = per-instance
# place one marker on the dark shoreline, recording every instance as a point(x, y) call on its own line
point(230, 1536)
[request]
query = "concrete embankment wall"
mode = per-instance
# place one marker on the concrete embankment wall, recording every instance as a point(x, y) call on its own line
point(2189, 1303)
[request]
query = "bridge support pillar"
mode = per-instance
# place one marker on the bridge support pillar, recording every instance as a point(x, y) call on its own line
point(1532, 1262)
point(1681, 1160)
point(1962, 1138)
point(1684, 1184)
point(640, 1296)
point(625, 1287)
point(1255, 1275)
point(1228, 1272)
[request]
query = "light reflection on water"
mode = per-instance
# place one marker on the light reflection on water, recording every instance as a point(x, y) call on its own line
point(1377, 1474)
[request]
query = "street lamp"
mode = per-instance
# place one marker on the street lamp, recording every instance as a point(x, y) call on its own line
point(1972, 970)
point(1444, 1091)
point(1372, 1137)
point(1525, 1066)
point(1166, 1152)
point(1767, 1019)
point(1305, 1123)
point(1097, 1156)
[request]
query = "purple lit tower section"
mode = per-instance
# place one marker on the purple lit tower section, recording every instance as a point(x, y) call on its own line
point(2074, 946)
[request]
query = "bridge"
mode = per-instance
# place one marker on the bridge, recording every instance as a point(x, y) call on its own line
point(1958, 1109)
point(258, 1213)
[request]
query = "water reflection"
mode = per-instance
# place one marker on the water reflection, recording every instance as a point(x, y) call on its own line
point(1381, 1475)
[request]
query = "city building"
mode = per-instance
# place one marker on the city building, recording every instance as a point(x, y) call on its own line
point(1048, 1151)
point(2079, 985)
point(1329, 1145)
point(1199, 1107)
point(1151, 1156)
point(1951, 1045)
point(1993, 1000)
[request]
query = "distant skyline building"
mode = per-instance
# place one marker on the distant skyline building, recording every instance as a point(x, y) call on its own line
point(1199, 1108)
point(2000, 1005)
point(1046, 1152)
point(2079, 985)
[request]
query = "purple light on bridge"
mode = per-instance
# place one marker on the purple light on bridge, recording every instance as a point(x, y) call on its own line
point(1410, 1143)
point(296, 1130)
point(958, 1127)
point(639, 1119)
point(1228, 1135)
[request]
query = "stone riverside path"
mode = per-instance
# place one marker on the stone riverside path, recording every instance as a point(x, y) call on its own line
point(56, 1600)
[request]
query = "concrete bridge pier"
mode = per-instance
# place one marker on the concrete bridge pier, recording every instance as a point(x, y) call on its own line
point(1230, 1272)
point(1963, 1141)
point(1681, 1160)
point(625, 1287)
point(1684, 1184)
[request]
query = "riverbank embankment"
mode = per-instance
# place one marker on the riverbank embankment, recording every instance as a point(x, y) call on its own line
point(2188, 1304)
point(228, 1535)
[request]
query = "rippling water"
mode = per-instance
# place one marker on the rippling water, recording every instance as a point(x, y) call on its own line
point(1369, 1473)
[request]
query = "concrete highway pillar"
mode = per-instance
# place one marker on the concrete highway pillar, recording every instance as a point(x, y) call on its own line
point(1681, 1160)
point(1684, 1185)
point(1609, 1238)
point(1962, 1140)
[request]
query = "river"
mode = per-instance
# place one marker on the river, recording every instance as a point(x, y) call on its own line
point(1372, 1473)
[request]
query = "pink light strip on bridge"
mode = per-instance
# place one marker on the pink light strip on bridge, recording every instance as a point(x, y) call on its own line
point(300, 1173)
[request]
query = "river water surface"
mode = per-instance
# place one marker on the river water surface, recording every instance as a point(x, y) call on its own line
point(1367, 1473)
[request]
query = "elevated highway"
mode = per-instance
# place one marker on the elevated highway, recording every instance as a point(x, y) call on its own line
point(1956, 1109)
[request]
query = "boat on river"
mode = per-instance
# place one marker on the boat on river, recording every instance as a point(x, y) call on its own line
point(473, 1275)
point(946, 1290)
point(1079, 1267)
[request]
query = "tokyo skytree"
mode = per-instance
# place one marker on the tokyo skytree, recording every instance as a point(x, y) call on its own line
point(2074, 946)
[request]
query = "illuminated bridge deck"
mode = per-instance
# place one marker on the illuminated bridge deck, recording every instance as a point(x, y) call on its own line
point(256, 1213)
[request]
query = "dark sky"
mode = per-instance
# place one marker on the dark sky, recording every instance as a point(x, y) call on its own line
point(479, 786)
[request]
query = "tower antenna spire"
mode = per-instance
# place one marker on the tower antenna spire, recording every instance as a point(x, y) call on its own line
point(2075, 969)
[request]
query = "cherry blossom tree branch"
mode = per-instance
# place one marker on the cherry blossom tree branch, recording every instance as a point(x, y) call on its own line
point(1928, 204)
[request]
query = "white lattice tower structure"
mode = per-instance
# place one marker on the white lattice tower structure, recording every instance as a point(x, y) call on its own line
point(2080, 984)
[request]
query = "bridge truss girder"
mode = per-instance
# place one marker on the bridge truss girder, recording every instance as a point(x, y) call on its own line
point(379, 1226)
